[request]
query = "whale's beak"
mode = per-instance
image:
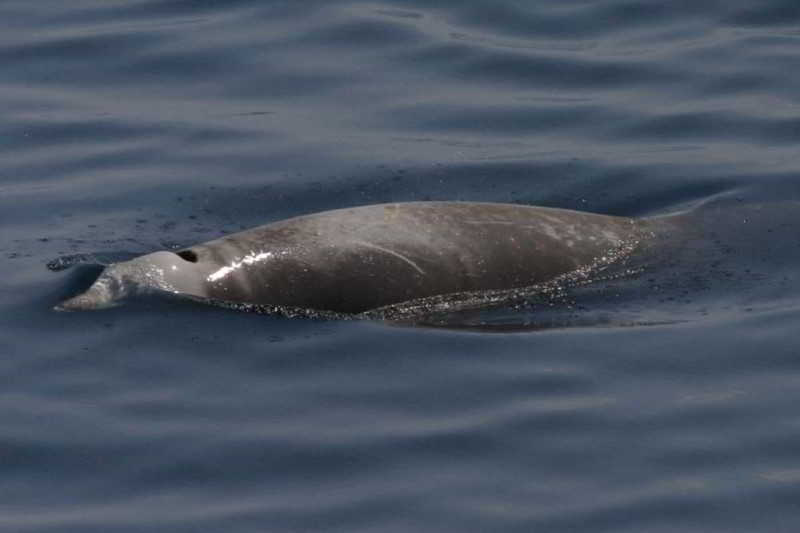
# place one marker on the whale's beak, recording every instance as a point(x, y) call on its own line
point(98, 296)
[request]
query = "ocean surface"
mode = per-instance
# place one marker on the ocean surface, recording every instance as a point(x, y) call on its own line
point(663, 401)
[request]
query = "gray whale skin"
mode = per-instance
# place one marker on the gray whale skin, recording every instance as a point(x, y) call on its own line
point(362, 258)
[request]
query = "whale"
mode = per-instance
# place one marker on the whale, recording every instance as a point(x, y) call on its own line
point(356, 260)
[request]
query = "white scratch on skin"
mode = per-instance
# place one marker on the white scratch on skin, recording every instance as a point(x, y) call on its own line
point(246, 260)
point(611, 236)
point(551, 232)
point(391, 252)
point(548, 229)
point(496, 222)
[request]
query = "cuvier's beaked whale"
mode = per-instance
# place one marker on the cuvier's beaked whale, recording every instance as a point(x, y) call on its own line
point(362, 258)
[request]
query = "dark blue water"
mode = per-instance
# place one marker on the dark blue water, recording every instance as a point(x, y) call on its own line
point(665, 402)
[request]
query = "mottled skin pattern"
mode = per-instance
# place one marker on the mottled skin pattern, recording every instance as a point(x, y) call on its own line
point(357, 259)
point(352, 260)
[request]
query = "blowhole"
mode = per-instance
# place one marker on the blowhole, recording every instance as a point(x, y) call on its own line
point(187, 255)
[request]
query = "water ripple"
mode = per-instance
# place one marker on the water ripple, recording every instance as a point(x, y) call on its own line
point(143, 124)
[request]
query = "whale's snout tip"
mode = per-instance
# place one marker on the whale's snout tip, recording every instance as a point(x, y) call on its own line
point(81, 302)
point(98, 296)
point(78, 303)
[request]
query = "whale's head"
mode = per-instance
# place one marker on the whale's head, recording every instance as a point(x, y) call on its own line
point(157, 272)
